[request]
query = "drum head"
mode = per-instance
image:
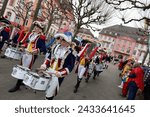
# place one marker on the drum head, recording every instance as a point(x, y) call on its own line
point(34, 74)
point(24, 68)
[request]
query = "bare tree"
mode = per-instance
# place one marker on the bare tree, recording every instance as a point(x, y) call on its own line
point(142, 7)
point(51, 12)
point(38, 6)
point(89, 12)
point(3, 7)
point(23, 10)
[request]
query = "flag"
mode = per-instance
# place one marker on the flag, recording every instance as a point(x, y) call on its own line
point(81, 53)
point(93, 53)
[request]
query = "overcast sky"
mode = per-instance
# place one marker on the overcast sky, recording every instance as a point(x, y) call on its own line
point(130, 14)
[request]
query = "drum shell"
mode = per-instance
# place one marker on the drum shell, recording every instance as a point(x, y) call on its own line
point(19, 72)
point(42, 83)
point(13, 53)
point(30, 80)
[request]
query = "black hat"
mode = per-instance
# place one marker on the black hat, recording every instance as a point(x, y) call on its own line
point(4, 20)
point(39, 24)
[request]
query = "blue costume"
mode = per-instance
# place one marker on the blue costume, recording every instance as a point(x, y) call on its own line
point(34, 44)
point(4, 35)
point(61, 60)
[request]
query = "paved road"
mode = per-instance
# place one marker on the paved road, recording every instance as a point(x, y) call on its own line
point(103, 88)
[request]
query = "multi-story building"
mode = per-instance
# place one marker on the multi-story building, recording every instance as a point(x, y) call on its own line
point(125, 41)
point(86, 34)
point(66, 23)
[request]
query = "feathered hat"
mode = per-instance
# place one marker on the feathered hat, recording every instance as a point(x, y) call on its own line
point(39, 24)
point(67, 36)
point(4, 20)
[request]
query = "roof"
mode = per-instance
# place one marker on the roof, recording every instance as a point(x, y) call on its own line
point(120, 30)
point(85, 31)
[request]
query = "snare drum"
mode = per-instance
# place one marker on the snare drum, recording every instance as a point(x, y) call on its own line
point(30, 79)
point(13, 53)
point(19, 72)
point(42, 83)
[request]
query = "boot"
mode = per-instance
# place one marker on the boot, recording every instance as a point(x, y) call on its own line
point(49, 98)
point(16, 87)
point(77, 86)
point(3, 56)
point(87, 79)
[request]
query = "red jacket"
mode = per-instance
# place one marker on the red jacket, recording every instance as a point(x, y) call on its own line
point(139, 77)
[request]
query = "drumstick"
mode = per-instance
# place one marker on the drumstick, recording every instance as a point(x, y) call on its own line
point(38, 70)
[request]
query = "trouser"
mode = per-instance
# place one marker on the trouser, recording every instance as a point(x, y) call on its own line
point(147, 92)
point(53, 87)
point(125, 89)
point(132, 90)
point(78, 82)
point(2, 44)
point(96, 73)
point(81, 71)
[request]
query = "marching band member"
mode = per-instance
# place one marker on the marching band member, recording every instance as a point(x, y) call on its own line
point(91, 67)
point(90, 70)
point(18, 37)
point(33, 44)
point(98, 65)
point(83, 65)
point(4, 31)
point(58, 64)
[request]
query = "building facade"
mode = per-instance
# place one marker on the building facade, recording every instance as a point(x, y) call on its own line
point(86, 34)
point(125, 41)
point(16, 20)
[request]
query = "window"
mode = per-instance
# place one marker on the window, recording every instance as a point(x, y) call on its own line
point(130, 43)
point(142, 46)
point(21, 1)
point(40, 12)
point(128, 50)
point(134, 52)
point(140, 53)
point(26, 22)
point(17, 20)
point(11, 3)
point(137, 45)
point(8, 15)
point(1, 1)
point(122, 49)
point(111, 47)
point(108, 45)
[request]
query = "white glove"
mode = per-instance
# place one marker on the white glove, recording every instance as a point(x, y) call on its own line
point(43, 66)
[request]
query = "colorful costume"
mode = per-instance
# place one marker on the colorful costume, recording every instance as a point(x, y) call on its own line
point(60, 60)
point(33, 44)
point(4, 31)
point(4, 36)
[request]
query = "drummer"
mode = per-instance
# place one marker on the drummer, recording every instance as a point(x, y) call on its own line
point(33, 44)
point(61, 62)
point(4, 31)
